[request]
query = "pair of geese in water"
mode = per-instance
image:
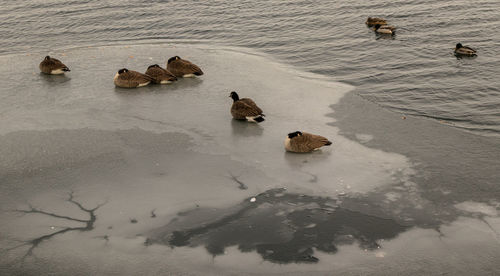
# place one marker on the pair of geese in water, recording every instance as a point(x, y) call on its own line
point(380, 26)
point(241, 109)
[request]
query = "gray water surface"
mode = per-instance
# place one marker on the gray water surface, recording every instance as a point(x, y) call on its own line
point(413, 73)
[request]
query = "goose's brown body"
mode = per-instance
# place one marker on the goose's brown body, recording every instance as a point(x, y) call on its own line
point(384, 29)
point(464, 50)
point(183, 68)
point(160, 75)
point(131, 79)
point(305, 142)
point(372, 21)
point(245, 109)
point(52, 66)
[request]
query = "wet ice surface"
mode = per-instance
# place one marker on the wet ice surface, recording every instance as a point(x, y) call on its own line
point(281, 227)
point(174, 176)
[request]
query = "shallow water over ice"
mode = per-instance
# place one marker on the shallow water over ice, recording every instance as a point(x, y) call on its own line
point(167, 154)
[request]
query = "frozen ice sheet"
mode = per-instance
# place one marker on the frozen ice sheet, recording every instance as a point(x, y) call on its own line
point(87, 98)
point(153, 152)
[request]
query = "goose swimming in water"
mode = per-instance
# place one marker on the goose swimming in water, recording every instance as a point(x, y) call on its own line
point(464, 50)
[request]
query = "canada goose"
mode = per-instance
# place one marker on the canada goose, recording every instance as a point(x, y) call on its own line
point(160, 75)
point(304, 142)
point(53, 66)
point(245, 109)
point(130, 79)
point(371, 21)
point(464, 50)
point(384, 29)
point(183, 68)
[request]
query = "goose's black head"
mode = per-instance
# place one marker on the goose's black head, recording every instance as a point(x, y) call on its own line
point(377, 26)
point(294, 134)
point(234, 96)
point(122, 71)
point(153, 66)
point(47, 58)
point(459, 45)
point(173, 58)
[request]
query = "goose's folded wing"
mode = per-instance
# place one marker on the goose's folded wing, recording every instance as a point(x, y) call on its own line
point(251, 103)
point(469, 48)
point(242, 109)
point(134, 78)
point(159, 74)
point(315, 141)
point(140, 77)
point(154, 73)
point(187, 66)
point(53, 64)
point(168, 73)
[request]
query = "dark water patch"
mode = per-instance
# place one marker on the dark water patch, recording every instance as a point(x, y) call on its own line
point(282, 227)
point(454, 166)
